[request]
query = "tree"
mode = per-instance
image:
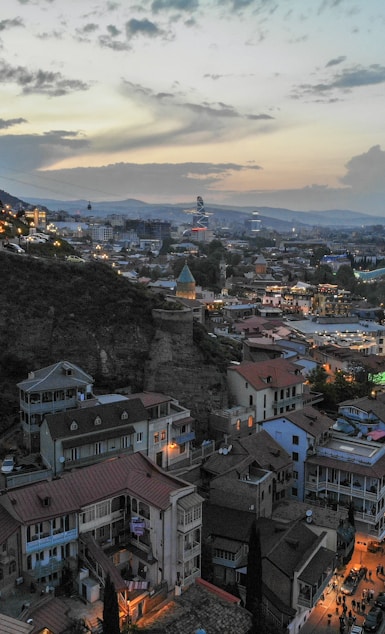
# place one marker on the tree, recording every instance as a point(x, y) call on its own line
point(110, 609)
point(351, 513)
point(254, 570)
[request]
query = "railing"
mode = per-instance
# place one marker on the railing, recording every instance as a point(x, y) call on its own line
point(190, 552)
point(203, 451)
point(87, 460)
point(40, 543)
point(43, 570)
point(21, 479)
point(289, 400)
point(187, 581)
point(357, 491)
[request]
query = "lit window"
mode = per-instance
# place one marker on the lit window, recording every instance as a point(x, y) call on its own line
point(250, 421)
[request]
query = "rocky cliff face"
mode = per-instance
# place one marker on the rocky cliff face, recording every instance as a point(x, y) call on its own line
point(177, 366)
point(117, 332)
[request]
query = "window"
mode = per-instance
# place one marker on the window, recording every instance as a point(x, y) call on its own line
point(251, 399)
point(97, 448)
point(124, 415)
point(163, 434)
point(139, 437)
point(250, 421)
point(73, 426)
point(238, 425)
point(156, 437)
point(295, 475)
point(125, 442)
point(294, 492)
point(182, 448)
point(98, 421)
point(295, 440)
point(294, 455)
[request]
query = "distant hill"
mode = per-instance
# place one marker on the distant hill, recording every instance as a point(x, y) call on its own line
point(276, 218)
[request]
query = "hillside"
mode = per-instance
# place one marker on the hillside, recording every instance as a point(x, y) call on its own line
point(51, 310)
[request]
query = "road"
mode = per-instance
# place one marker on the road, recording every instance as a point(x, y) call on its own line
point(318, 622)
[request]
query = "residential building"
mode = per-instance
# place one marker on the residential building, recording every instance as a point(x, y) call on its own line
point(152, 423)
point(232, 422)
point(102, 233)
point(299, 433)
point(56, 388)
point(80, 437)
point(170, 429)
point(252, 473)
point(10, 564)
point(272, 387)
point(297, 563)
point(123, 516)
point(345, 470)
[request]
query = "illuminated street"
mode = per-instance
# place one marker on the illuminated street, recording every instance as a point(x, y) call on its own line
point(319, 621)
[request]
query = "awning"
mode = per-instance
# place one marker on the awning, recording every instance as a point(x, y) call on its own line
point(180, 440)
point(188, 501)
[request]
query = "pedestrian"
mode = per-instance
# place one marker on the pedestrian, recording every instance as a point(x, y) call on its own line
point(363, 607)
point(343, 598)
point(353, 604)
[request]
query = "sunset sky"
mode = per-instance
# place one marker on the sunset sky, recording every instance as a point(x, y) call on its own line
point(244, 102)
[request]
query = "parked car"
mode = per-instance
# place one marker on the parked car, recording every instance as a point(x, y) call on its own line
point(12, 246)
point(74, 258)
point(374, 547)
point(8, 464)
point(379, 601)
point(373, 619)
point(353, 579)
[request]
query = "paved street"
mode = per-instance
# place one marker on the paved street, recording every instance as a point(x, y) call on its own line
point(318, 622)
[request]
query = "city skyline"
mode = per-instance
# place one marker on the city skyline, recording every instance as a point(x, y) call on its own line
point(245, 102)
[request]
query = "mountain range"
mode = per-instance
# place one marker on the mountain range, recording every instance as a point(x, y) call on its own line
point(223, 215)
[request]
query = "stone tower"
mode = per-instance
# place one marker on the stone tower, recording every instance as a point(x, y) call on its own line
point(185, 284)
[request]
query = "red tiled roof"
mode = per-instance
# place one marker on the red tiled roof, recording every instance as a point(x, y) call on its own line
point(281, 373)
point(222, 594)
point(8, 525)
point(133, 473)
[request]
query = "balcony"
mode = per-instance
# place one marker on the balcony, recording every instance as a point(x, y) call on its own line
point(189, 580)
point(287, 401)
point(40, 543)
point(42, 569)
point(88, 460)
point(190, 551)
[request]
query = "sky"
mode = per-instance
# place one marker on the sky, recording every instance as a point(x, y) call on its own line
point(276, 103)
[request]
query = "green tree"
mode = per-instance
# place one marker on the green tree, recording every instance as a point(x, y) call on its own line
point(110, 609)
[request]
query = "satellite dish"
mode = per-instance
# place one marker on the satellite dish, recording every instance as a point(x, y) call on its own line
point(220, 450)
point(225, 451)
point(62, 459)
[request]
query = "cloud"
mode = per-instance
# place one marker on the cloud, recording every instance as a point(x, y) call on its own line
point(366, 172)
point(33, 151)
point(5, 25)
point(9, 123)
point(49, 83)
point(179, 5)
point(346, 80)
point(166, 181)
point(142, 27)
point(335, 61)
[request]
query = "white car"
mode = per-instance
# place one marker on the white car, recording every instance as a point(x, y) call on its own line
point(74, 258)
point(8, 464)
